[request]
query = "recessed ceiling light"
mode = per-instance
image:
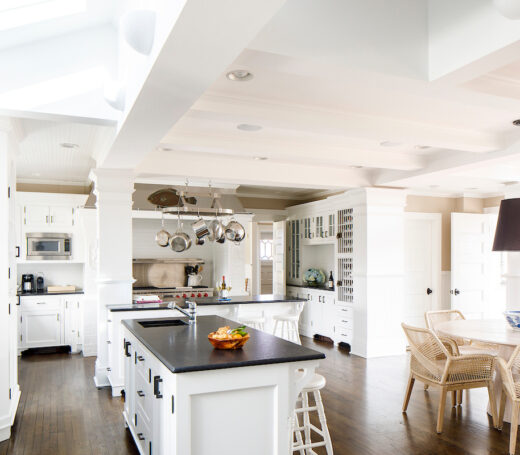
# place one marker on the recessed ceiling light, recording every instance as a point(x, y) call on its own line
point(390, 144)
point(511, 183)
point(164, 148)
point(239, 75)
point(259, 158)
point(422, 147)
point(248, 127)
point(471, 188)
point(516, 122)
point(356, 167)
point(69, 145)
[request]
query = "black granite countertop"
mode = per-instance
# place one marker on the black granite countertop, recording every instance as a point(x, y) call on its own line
point(235, 300)
point(315, 288)
point(36, 294)
point(186, 348)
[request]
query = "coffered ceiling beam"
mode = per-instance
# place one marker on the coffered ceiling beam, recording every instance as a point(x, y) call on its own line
point(247, 171)
point(205, 38)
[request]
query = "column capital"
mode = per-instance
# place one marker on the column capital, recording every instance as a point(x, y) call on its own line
point(112, 180)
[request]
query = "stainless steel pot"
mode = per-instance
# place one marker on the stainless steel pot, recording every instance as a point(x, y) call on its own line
point(217, 231)
point(180, 241)
point(235, 231)
point(162, 238)
point(200, 228)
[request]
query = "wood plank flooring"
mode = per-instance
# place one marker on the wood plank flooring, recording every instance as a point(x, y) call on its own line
point(61, 411)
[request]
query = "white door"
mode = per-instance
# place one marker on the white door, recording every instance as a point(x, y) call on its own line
point(421, 266)
point(279, 258)
point(61, 216)
point(475, 269)
point(41, 329)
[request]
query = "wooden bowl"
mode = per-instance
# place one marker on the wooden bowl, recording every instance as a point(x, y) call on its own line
point(235, 343)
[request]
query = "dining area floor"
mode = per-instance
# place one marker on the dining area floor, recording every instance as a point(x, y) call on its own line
point(61, 411)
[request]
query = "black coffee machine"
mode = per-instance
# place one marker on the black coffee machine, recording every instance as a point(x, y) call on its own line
point(28, 284)
point(40, 288)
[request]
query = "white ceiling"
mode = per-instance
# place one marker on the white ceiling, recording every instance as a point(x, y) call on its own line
point(333, 81)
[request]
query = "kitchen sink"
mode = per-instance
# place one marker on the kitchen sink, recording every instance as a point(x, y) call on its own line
point(149, 323)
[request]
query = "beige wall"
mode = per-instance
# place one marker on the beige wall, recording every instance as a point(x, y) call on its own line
point(445, 206)
point(40, 188)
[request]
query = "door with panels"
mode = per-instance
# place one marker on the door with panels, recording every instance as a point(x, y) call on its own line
point(476, 276)
point(279, 257)
point(422, 241)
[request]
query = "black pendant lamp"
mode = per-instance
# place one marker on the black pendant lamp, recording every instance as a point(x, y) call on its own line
point(507, 234)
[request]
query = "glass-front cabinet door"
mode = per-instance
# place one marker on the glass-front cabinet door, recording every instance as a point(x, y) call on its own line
point(294, 249)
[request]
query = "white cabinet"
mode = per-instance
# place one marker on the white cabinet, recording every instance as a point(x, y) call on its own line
point(294, 250)
point(50, 320)
point(39, 216)
point(41, 328)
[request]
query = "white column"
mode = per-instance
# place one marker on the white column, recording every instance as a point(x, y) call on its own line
point(513, 263)
point(113, 189)
point(9, 389)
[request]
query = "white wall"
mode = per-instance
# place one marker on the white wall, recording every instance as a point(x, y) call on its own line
point(318, 257)
point(54, 274)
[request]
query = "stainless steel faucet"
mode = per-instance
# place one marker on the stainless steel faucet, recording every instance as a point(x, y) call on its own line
point(191, 313)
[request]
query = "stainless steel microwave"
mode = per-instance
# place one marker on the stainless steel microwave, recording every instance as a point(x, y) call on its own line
point(48, 245)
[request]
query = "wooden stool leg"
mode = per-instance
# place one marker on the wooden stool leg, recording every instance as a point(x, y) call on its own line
point(426, 386)
point(514, 426)
point(409, 387)
point(442, 405)
point(454, 398)
point(459, 396)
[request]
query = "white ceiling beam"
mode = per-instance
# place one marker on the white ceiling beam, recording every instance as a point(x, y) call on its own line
point(247, 171)
point(293, 151)
point(205, 39)
point(446, 166)
point(344, 124)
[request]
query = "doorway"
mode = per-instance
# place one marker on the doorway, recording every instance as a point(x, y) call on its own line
point(265, 257)
point(422, 266)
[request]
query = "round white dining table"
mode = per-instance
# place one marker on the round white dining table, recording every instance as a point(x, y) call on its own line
point(495, 331)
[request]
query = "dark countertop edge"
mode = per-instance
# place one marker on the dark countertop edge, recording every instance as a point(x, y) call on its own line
point(115, 308)
point(36, 294)
point(312, 288)
point(224, 366)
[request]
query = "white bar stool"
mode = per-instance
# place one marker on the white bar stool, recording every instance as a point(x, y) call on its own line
point(286, 325)
point(256, 321)
point(304, 445)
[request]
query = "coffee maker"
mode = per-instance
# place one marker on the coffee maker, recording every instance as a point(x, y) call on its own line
point(40, 288)
point(27, 284)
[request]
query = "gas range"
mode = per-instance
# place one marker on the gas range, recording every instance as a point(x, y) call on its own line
point(175, 292)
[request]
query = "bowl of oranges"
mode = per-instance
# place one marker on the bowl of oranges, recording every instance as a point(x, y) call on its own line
point(226, 338)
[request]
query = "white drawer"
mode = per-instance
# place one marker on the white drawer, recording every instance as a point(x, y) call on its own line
point(142, 366)
point(343, 335)
point(144, 398)
point(344, 312)
point(142, 432)
point(344, 323)
point(42, 302)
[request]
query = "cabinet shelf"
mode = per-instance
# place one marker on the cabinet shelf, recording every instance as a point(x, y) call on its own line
point(50, 261)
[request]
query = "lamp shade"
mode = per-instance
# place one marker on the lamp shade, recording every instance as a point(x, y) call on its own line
point(507, 234)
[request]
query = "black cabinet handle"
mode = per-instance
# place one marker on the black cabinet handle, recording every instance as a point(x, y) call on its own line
point(17, 251)
point(456, 292)
point(140, 393)
point(127, 344)
point(428, 291)
point(140, 437)
point(156, 381)
point(140, 358)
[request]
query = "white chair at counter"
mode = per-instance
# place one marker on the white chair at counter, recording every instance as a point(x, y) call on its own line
point(254, 320)
point(305, 445)
point(286, 324)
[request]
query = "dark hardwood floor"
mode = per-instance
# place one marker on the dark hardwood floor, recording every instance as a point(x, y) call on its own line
point(61, 411)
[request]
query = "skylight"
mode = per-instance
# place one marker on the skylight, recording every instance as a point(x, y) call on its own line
point(17, 13)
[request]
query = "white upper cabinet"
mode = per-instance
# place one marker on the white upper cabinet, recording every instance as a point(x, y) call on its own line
point(62, 216)
point(37, 216)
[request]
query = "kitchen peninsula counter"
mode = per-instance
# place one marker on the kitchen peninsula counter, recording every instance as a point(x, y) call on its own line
point(183, 397)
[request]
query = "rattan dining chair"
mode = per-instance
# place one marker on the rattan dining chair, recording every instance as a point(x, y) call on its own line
point(436, 363)
point(510, 373)
point(465, 346)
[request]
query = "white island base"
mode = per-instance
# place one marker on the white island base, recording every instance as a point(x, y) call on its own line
point(246, 410)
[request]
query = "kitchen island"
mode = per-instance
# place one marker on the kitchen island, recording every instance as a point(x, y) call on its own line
point(234, 309)
point(183, 397)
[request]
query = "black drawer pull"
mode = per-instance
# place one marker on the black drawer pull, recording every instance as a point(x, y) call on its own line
point(156, 381)
point(127, 344)
point(140, 358)
point(140, 393)
point(140, 437)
